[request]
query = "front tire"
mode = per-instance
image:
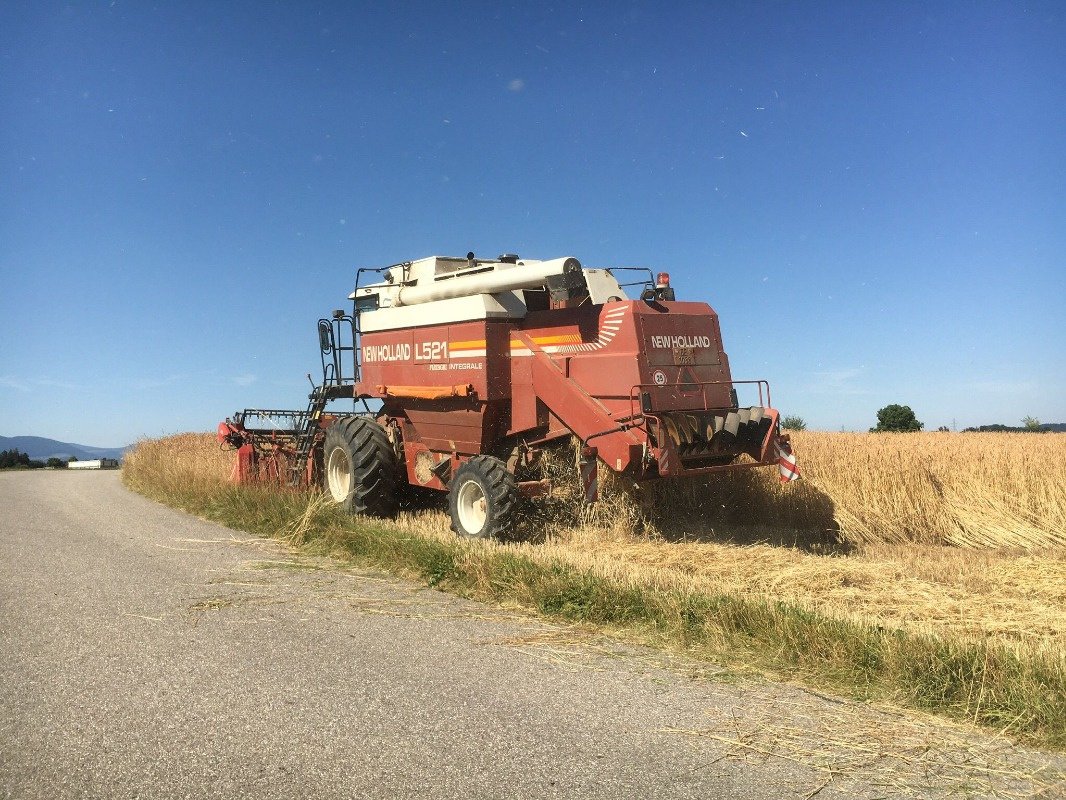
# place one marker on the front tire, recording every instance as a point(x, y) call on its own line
point(482, 498)
point(359, 467)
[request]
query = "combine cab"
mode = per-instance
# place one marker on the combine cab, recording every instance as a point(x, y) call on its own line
point(474, 366)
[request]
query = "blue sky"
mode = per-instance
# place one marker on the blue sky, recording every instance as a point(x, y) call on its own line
point(872, 196)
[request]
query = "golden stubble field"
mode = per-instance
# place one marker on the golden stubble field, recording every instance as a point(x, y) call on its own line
point(958, 534)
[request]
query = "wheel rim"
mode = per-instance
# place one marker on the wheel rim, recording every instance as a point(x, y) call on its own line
point(339, 474)
point(472, 506)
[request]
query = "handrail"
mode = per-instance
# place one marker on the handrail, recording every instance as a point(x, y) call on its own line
point(332, 345)
point(637, 388)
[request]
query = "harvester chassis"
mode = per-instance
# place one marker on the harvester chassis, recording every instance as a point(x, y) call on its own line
point(469, 399)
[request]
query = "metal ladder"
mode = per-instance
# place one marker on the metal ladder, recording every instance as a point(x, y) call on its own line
point(332, 345)
point(305, 440)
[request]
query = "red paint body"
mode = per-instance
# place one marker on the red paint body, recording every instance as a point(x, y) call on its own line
point(611, 375)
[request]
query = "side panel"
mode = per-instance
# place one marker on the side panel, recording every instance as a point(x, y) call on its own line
point(453, 426)
point(400, 365)
point(524, 414)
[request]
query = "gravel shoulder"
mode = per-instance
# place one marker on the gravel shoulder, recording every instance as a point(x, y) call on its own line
point(146, 653)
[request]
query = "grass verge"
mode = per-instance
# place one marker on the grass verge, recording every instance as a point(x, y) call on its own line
point(1020, 692)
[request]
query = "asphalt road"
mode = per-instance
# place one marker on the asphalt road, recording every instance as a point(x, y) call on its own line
point(148, 654)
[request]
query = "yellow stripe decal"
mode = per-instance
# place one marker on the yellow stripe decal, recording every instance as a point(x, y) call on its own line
point(565, 338)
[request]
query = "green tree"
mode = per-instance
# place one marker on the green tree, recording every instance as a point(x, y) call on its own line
point(57, 463)
point(794, 424)
point(1031, 423)
point(13, 458)
point(896, 418)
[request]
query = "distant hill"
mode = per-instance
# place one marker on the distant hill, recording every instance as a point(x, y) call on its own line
point(41, 449)
point(1047, 427)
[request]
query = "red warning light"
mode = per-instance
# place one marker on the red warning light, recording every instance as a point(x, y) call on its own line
point(662, 280)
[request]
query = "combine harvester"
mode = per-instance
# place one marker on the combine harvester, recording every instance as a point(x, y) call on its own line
point(478, 365)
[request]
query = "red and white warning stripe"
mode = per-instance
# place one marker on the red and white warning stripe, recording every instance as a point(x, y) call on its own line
point(786, 462)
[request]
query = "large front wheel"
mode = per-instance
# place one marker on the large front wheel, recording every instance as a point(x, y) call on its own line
point(482, 498)
point(359, 467)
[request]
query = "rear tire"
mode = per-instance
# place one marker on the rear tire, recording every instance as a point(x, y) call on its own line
point(482, 498)
point(359, 467)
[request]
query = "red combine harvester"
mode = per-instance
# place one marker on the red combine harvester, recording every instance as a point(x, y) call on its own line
point(478, 365)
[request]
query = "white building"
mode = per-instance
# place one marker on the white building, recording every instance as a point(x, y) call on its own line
point(98, 463)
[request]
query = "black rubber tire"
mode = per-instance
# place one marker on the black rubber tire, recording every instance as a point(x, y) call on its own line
point(358, 456)
point(483, 477)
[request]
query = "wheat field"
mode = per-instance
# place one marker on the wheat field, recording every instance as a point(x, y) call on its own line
point(988, 490)
point(973, 490)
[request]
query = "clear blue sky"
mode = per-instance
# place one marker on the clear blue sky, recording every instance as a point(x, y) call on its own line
point(872, 196)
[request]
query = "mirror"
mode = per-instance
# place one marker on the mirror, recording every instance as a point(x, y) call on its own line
point(325, 336)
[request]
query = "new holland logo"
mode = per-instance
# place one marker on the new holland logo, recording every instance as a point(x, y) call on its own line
point(387, 352)
point(670, 342)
